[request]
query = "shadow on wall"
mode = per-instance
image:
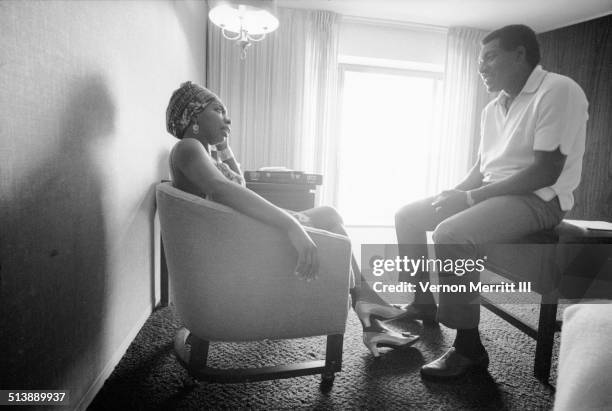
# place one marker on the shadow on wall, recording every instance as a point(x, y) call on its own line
point(54, 264)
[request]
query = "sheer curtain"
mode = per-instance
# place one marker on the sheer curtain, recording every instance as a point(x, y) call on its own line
point(280, 99)
point(464, 97)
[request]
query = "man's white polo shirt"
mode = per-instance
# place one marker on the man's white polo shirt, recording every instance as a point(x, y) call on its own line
point(550, 112)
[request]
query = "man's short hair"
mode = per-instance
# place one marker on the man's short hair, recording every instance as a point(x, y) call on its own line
point(510, 37)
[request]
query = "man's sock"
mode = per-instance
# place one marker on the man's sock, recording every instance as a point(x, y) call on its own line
point(467, 342)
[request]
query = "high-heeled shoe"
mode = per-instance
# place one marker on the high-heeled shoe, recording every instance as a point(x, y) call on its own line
point(386, 312)
point(387, 338)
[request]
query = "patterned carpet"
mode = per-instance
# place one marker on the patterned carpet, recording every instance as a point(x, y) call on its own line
point(149, 377)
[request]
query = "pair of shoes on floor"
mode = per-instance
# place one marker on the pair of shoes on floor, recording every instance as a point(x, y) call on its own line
point(366, 310)
point(387, 338)
point(454, 365)
point(427, 313)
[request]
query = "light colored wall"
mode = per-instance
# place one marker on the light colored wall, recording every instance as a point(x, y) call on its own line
point(84, 87)
point(392, 41)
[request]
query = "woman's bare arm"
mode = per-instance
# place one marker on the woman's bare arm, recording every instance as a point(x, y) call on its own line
point(195, 163)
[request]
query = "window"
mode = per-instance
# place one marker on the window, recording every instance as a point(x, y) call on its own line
point(388, 121)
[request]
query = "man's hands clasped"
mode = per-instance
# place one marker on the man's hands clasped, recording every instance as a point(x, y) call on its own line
point(450, 202)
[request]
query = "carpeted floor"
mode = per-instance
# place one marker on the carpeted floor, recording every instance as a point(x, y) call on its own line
point(149, 377)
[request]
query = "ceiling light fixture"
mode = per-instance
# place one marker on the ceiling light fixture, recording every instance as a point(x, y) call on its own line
point(244, 21)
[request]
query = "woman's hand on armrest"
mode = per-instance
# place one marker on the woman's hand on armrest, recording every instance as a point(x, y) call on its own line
point(251, 204)
point(308, 260)
point(195, 163)
point(247, 202)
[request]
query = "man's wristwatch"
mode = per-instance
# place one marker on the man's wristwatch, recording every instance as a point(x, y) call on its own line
point(470, 201)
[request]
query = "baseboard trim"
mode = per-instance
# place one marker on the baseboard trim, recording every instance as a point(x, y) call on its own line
point(96, 386)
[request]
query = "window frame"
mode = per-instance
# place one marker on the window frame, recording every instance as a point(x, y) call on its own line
point(406, 71)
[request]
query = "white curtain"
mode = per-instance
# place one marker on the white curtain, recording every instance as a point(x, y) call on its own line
point(281, 97)
point(464, 97)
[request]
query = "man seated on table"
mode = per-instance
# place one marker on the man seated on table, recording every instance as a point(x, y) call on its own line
point(529, 163)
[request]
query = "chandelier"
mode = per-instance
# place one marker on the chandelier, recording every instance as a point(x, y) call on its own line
point(244, 21)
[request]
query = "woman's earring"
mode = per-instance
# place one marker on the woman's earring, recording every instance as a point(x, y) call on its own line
point(196, 129)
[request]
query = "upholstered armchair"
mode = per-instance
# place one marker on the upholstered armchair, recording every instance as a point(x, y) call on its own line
point(232, 279)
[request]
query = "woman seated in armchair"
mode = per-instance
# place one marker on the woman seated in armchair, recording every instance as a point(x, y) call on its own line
point(198, 118)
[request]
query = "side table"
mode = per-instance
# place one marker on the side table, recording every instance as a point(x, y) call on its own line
point(296, 197)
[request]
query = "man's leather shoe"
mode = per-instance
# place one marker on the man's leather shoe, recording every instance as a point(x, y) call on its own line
point(454, 365)
point(424, 312)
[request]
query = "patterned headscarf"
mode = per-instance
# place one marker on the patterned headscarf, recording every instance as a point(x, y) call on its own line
point(189, 100)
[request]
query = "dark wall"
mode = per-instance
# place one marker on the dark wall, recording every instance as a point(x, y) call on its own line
point(584, 52)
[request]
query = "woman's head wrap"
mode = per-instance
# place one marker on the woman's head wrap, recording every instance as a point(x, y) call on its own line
point(189, 100)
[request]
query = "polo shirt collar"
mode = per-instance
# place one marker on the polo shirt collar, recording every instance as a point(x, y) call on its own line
point(531, 85)
point(535, 79)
